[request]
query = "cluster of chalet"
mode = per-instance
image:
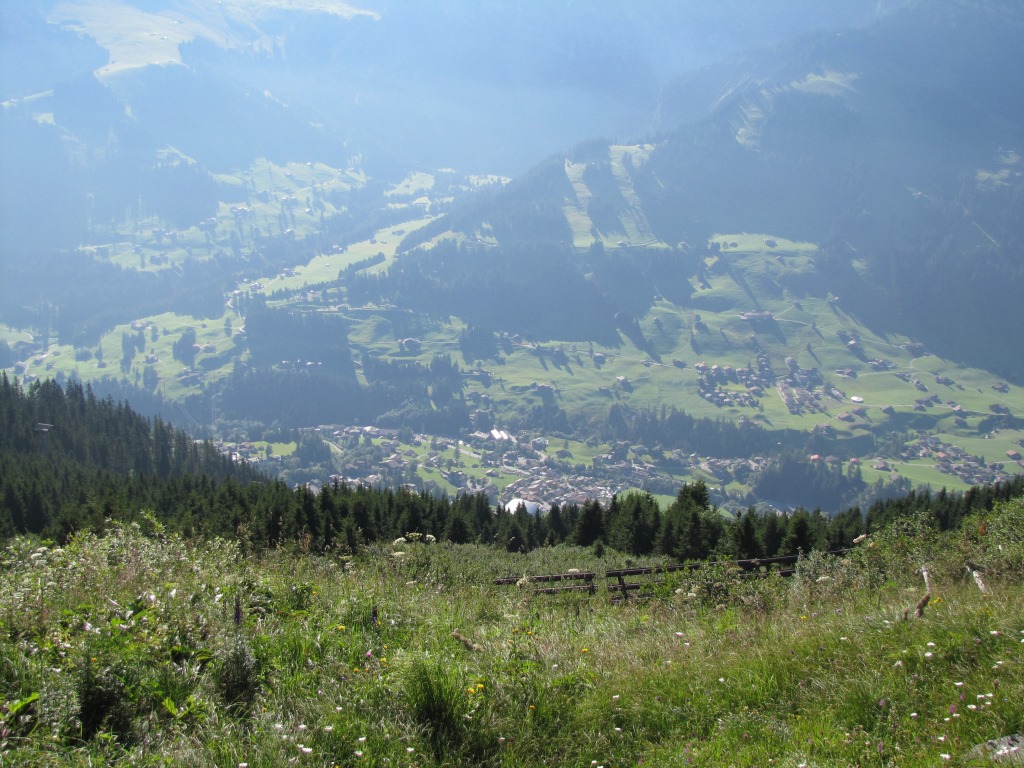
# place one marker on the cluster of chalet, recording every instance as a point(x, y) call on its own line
point(955, 461)
point(713, 381)
point(850, 416)
point(243, 451)
point(726, 470)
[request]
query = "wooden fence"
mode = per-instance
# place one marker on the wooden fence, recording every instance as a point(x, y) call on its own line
point(619, 589)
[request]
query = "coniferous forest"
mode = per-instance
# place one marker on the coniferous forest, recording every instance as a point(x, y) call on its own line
point(72, 462)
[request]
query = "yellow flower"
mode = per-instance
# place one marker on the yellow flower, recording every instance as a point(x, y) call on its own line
point(340, 627)
point(585, 650)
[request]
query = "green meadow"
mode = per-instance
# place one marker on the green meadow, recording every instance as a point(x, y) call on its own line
point(140, 648)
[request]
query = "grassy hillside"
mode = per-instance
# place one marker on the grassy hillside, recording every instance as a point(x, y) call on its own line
point(146, 649)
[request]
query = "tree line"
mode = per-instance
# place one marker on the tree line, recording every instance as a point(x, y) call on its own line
point(70, 461)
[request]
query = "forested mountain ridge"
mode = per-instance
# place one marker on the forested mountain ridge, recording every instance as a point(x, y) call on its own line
point(894, 148)
point(107, 463)
point(71, 425)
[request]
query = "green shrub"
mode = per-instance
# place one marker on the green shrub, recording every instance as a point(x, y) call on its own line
point(238, 675)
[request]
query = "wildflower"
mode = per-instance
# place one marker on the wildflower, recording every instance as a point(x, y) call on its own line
point(615, 697)
point(361, 739)
point(410, 750)
point(959, 684)
point(328, 728)
point(584, 650)
point(306, 750)
point(931, 645)
point(946, 756)
point(369, 654)
point(928, 655)
point(340, 627)
point(359, 753)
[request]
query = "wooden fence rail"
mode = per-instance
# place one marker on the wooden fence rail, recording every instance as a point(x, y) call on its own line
point(616, 578)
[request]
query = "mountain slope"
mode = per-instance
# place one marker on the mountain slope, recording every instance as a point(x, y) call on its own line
point(895, 148)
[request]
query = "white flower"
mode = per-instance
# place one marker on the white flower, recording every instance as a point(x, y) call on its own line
point(359, 753)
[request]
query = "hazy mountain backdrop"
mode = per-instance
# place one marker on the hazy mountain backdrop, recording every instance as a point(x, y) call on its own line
point(773, 246)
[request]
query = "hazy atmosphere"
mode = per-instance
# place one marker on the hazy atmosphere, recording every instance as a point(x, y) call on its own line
point(477, 382)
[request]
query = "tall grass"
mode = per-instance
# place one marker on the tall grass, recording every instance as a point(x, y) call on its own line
point(142, 650)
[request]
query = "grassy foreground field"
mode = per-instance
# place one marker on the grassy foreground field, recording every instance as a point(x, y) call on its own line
point(148, 650)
